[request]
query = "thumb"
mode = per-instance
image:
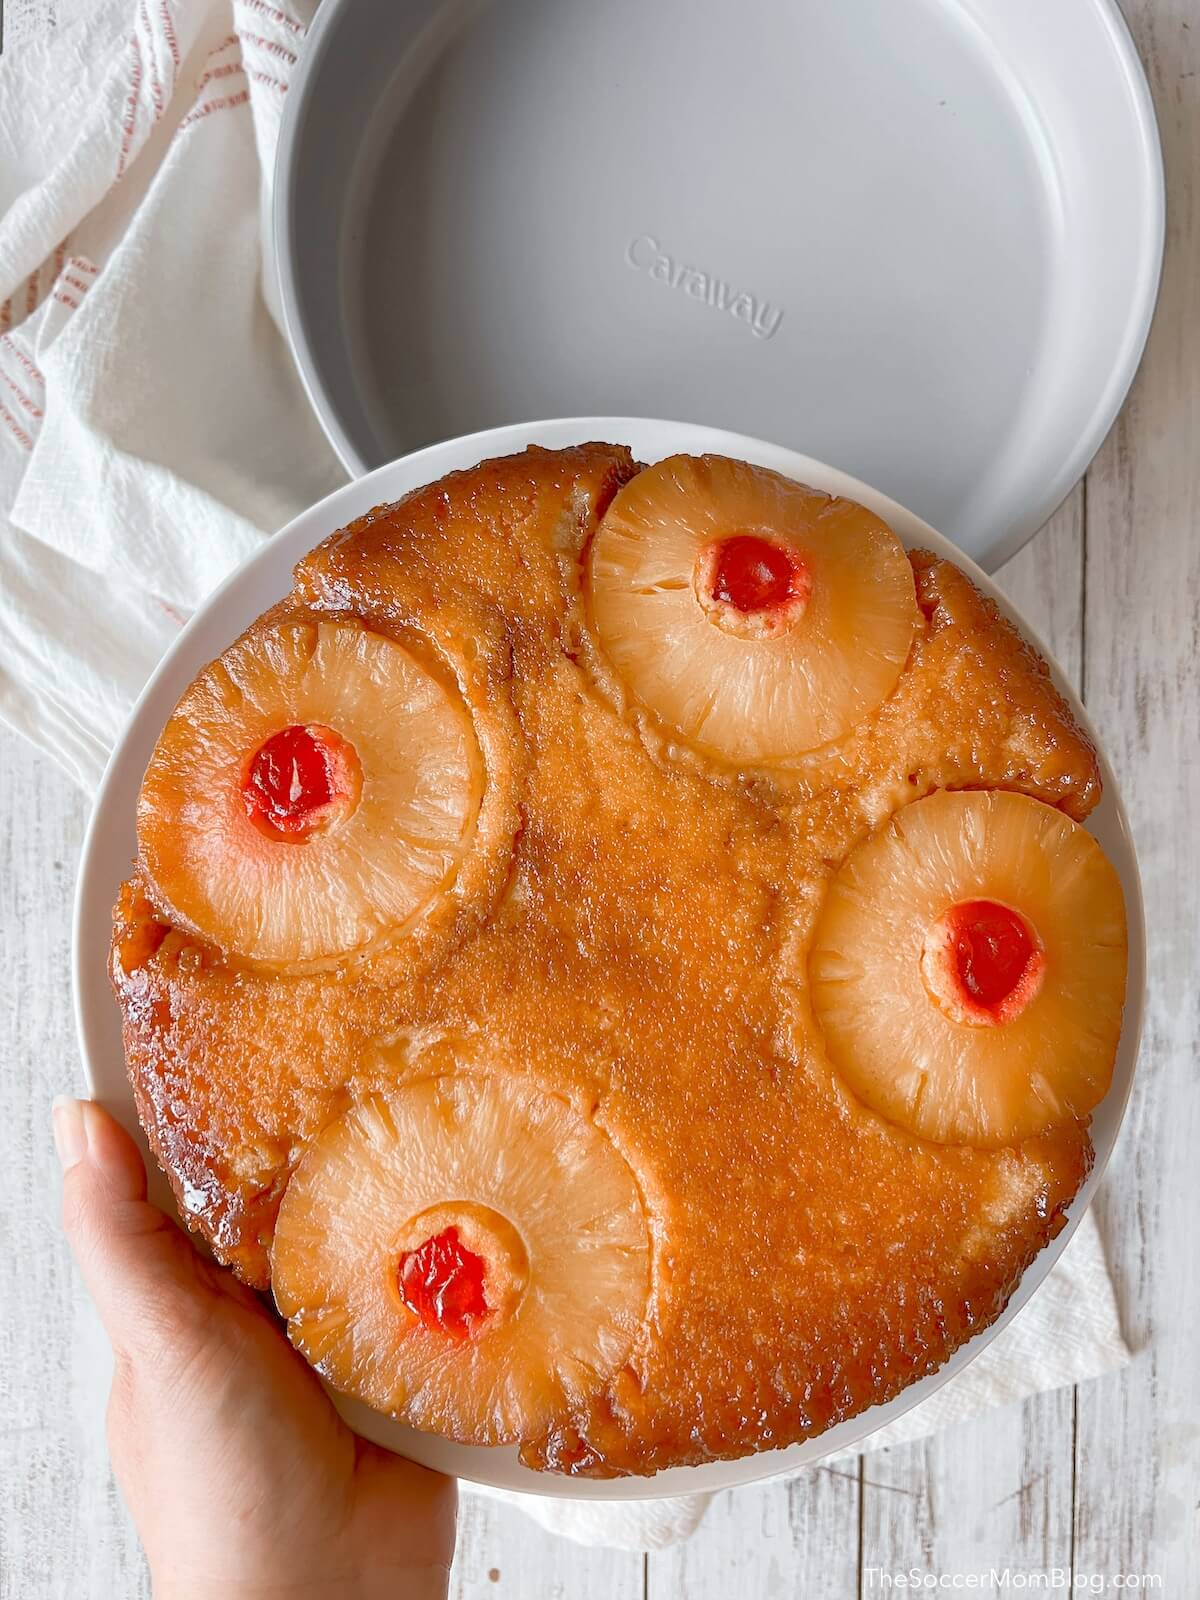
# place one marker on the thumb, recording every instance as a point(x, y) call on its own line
point(140, 1270)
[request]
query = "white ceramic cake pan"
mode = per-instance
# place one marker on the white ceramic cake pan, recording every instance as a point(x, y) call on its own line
point(110, 847)
point(920, 241)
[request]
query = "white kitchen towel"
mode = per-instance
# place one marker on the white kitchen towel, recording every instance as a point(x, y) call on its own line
point(153, 431)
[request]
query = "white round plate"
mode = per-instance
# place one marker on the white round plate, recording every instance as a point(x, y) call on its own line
point(919, 239)
point(266, 578)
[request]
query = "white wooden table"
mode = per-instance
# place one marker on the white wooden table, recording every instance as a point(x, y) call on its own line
point(1101, 1480)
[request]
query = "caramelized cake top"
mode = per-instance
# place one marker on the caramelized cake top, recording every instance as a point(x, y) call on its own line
point(618, 921)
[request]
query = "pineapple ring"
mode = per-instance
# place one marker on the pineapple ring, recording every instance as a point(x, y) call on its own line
point(451, 1152)
point(384, 854)
point(896, 1042)
point(769, 685)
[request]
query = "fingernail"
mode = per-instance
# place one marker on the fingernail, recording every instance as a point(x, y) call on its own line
point(70, 1130)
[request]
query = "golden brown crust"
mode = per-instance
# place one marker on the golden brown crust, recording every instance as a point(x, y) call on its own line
point(630, 932)
point(1022, 727)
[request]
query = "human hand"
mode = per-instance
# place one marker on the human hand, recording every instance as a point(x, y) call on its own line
point(243, 1481)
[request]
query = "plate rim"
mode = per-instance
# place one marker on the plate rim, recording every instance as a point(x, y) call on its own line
point(99, 873)
point(1128, 346)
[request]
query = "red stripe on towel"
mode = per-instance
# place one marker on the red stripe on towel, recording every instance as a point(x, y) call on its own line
point(227, 71)
point(227, 102)
point(156, 89)
point(177, 617)
point(14, 427)
point(169, 33)
point(22, 398)
point(275, 15)
point(34, 372)
point(271, 45)
point(129, 121)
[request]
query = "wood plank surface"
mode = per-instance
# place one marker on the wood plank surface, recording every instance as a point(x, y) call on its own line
point(63, 1532)
point(503, 1555)
point(772, 1541)
point(1138, 1460)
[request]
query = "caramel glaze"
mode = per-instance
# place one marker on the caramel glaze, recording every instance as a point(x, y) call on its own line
point(630, 929)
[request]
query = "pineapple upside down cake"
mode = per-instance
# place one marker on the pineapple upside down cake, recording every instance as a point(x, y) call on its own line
point(616, 952)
